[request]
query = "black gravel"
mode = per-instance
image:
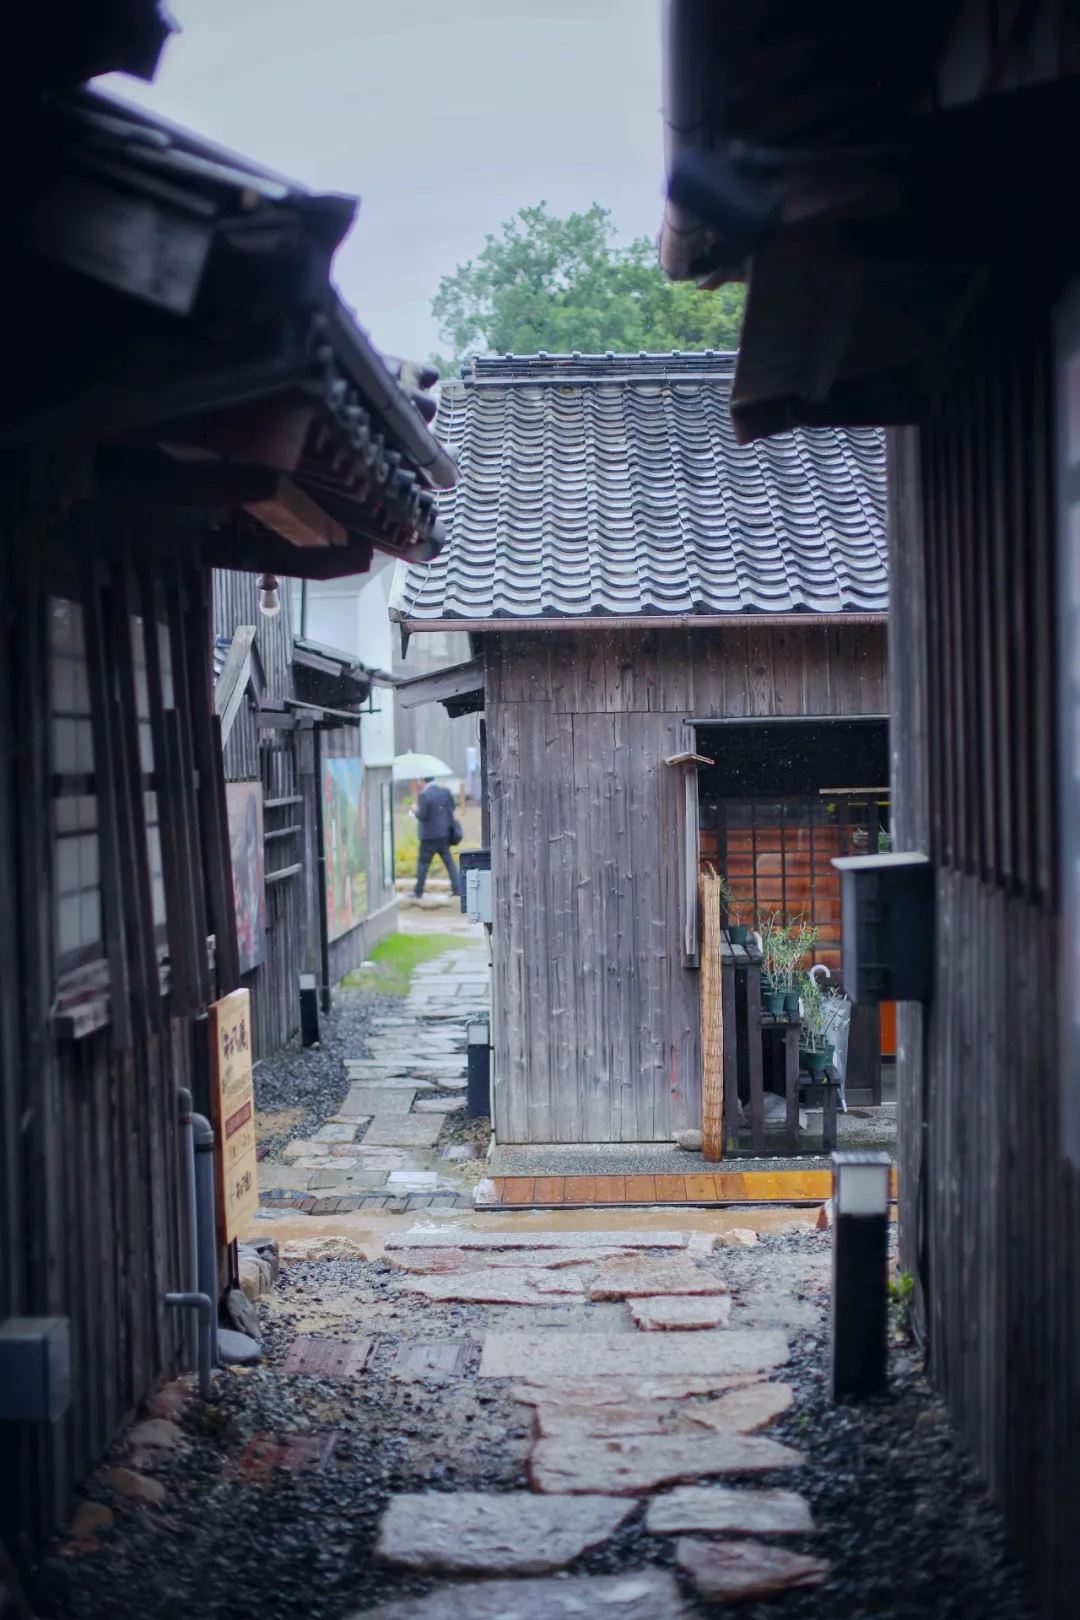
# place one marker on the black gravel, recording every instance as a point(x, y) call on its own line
point(900, 1513)
point(311, 1080)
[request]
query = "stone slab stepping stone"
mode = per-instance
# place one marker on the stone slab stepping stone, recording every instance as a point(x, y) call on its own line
point(403, 1130)
point(369, 1100)
point(586, 1393)
point(642, 1277)
point(462, 1237)
point(501, 1285)
point(735, 1571)
point(451, 1082)
point(444, 1260)
point(645, 1594)
point(439, 1105)
point(499, 1534)
point(630, 1465)
point(728, 1350)
point(703, 1508)
point(283, 1177)
point(644, 1417)
point(743, 1411)
point(336, 1132)
point(680, 1312)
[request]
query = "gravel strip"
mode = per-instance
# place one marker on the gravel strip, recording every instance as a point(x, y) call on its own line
point(900, 1513)
point(308, 1083)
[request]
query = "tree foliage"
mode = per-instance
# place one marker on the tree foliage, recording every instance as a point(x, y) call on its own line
point(563, 284)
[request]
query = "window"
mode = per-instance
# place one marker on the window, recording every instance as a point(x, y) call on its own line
point(71, 748)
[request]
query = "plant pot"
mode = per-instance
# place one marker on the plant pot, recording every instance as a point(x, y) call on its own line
point(737, 933)
point(830, 1053)
point(774, 1003)
point(791, 1003)
point(814, 1062)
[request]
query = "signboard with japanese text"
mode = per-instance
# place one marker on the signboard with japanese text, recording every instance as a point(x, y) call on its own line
point(233, 1105)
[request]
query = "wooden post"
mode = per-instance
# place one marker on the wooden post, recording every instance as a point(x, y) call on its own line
point(712, 1020)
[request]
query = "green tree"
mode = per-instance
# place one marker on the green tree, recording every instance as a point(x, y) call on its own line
point(562, 284)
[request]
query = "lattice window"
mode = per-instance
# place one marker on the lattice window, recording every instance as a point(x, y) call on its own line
point(71, 749)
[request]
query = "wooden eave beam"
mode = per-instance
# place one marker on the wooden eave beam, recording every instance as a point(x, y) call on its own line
point(457, 681)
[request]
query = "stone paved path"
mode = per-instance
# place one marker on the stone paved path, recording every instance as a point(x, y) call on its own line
point(383, 1149)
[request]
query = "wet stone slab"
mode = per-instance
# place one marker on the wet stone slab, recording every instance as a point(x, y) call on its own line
point(439, 1105)
point(633, 1464)
point(705, 1509)
point(587, 1393)
point(726, 1351)
point(646, 1594)
point(337, 1131)
point(736, 1571)
point(499, 1534)
point(743, 1411)
point(642, 1276)
point(680, 1313)
point(499, 1285)
point(364, 1101)
point(403, 1130)
point(462, 1237)
point(644, 1417)
point(446, 1260)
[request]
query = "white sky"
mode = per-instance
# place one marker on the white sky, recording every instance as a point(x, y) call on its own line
point(443, 118)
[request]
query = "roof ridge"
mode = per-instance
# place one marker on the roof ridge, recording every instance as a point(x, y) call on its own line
point(581, 366)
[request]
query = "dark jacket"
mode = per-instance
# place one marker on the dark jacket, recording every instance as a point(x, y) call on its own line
point(434, 814)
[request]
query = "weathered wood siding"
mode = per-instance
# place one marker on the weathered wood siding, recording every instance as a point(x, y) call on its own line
point(597, 1028)
point(990, 1207)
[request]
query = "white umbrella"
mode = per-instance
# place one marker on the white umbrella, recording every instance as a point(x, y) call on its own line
point(414, 767)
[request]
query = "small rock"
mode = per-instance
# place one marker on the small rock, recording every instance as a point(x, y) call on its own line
point(500, 1533)
point(689, 1141)
point(707, 1508)
point(744, 1411)
point(169, 1400)
point(155, 1434)
point(237, 1349)
point(136, 1487)
point(90, 1518)
point(241, 1314)
point(739, 1237)
point(733, 1571)
point(679, 1312)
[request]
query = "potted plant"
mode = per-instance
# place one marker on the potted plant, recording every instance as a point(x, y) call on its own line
point(733, 907)
point(775, 953)
point(813, 1046)
point(801, 941)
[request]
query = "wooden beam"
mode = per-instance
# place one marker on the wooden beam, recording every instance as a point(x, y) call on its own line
point(292, 514)
point(456, 681)
point(232, 682)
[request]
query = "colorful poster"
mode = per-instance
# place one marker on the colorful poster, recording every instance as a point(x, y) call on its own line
point(244, 801)
point(344, 844)
point(233, 1108)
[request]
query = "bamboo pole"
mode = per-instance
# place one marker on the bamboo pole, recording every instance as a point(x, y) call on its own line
point(712, 1018)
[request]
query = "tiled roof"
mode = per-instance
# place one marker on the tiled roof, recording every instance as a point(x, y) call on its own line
point(612, 485)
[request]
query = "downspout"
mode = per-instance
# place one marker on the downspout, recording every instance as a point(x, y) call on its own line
point(320, 862)
point(192, 1299)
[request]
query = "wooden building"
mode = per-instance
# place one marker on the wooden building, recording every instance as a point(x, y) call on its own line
point(639, 587)
point(288, 706)
point(183, 390)
point(894, 186)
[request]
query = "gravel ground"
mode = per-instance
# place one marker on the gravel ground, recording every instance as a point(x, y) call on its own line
point(299, 1088)
point(900, 1514)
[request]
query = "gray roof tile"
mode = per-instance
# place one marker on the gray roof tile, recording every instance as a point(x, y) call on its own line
point(612, 485)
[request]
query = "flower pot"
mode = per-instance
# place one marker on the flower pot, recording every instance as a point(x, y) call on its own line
point(814, 1062)
point(774, 1003)
point(830, 1053)
point(791, 1003)
point(737, 933)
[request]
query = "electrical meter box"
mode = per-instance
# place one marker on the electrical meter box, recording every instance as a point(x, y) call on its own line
point(35, 1369)
point(888, 927)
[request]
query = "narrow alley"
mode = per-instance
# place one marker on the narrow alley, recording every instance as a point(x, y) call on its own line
point(469, 1414)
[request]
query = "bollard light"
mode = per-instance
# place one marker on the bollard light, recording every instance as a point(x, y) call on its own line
point(860, 1274)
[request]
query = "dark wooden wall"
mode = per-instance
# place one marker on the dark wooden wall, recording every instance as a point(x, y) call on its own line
point(92, 1205)
point(990, 1208)
point(596, 1019)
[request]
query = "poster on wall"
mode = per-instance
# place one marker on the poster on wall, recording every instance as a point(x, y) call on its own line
point(244, 801)
point(344, 844)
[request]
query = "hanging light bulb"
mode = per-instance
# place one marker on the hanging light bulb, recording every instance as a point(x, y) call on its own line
point(269, 596)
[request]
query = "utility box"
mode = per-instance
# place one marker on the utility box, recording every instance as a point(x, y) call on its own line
point(888, 927)
point(473, 860)
point(35, 1368)
point(479, 1069)
point(478, 896)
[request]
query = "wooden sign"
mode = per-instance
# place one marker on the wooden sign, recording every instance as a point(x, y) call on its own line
point(233, 1106)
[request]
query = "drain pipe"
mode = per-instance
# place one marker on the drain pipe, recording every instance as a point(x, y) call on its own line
point(190, 1299)
point(207, 1280)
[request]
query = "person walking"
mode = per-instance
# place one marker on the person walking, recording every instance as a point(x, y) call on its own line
point(437, 825)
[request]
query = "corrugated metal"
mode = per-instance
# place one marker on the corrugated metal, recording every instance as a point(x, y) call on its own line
point(991, 1209)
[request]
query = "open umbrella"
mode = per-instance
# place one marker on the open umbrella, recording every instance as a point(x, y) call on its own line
point(413, 767)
